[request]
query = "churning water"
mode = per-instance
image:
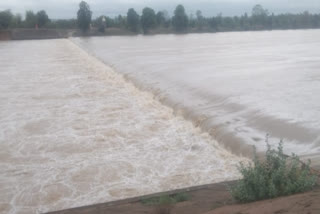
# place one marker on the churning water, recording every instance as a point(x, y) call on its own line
point(236, 86)
point(73, 132)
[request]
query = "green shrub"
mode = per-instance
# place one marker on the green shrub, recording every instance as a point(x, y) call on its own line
point(166, 199)
point(277, 175)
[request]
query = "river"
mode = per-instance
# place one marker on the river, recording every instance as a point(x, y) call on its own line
point(73, 132)
point(239, 86)
point(91, 120)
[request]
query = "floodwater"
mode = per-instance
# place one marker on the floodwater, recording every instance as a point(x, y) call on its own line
point(73, 132)
point(239, 87)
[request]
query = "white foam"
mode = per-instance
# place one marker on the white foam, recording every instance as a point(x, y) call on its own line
point(74, 133)
point(239, 85)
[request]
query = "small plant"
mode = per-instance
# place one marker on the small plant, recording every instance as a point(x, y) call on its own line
point(166, 199)
point(278, 175)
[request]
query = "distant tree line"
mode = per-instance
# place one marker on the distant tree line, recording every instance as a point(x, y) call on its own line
point(32, 20)
point(259, 19)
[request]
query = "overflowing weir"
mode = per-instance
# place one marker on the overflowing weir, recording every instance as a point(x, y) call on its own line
point(239, 87)
point(73, 133)
point(173, 111)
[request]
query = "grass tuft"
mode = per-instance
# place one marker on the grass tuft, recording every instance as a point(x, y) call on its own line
point(166, 199)
point(278, 175)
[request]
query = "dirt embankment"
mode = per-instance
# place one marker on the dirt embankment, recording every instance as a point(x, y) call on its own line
point(5, 35)
point(212, 199)
point(24, 34)
point(27, 34)
point(305, 203)
point(202, 199)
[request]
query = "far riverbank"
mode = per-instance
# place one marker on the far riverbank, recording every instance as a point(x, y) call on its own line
point(47, 33)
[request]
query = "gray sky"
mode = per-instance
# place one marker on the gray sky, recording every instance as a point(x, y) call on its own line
point(68, 8)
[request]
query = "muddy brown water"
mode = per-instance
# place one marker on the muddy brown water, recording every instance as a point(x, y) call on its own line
point(74, 133)
point(237, 86)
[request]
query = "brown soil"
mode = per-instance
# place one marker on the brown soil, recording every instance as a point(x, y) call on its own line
point(306, 203)
point(5, 35)
point(25, 34)
point(211, 199)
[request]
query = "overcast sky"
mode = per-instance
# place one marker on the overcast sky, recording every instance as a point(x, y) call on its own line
point(68, 8)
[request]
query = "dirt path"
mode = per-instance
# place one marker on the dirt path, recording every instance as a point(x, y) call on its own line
point(306, 203)
point(212, 199)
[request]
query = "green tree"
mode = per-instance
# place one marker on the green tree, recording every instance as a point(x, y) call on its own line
point(100, 23)
point(200, 20)
point(164, 18)
point(160, 18)
point(148, 19)
point(84, 16)
point(192, 21)
point(5, 19)
point(42, 18)
point(180, 19)
point(133, 20)
point(121, 21)
point(65, 23)
point(228, 24)
point(260, 17)
point(258, 10)
point(245, 22)
point(16, 21)
point(31, 19)
point(109, 22)
point(212, 22)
